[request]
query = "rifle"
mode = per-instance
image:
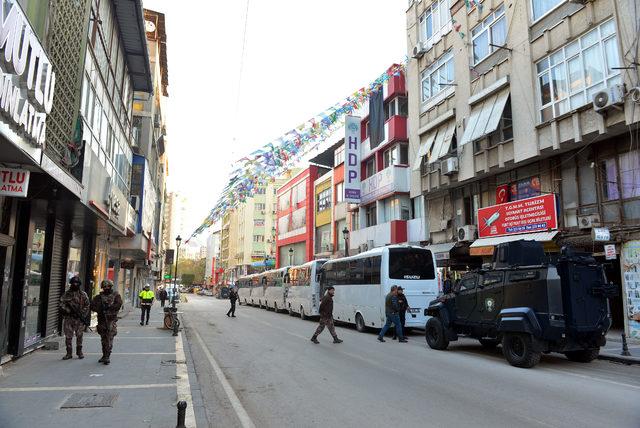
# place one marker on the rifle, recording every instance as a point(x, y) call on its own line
point(104, 314)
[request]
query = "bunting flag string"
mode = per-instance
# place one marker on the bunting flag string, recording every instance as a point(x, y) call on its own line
point(279, 156)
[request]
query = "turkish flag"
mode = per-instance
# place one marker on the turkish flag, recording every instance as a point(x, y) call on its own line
point(502, 194)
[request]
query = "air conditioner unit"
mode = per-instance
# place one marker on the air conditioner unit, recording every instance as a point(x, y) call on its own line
point(419, 50)
point(135, 202)
point(608, 98)
point(467, 233)
point(588, 221)
point(449, 166)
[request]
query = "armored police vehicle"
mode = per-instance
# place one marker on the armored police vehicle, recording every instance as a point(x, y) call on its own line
point(528, 302)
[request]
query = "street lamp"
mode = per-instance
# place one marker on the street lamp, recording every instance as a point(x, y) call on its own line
point(345, 233)
point(290, 256)
point(175, 287)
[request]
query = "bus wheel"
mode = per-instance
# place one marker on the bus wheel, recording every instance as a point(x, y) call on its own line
point(302, 314)
point(360, 325)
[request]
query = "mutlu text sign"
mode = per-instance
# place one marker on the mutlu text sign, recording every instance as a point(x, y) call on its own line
point(14, 182)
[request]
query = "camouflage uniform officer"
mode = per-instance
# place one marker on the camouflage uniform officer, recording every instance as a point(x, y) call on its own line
point(107, 304)
point(74, 306)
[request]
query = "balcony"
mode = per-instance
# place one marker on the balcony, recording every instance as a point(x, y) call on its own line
point(395, 129)
point(390, 180)
point(391, 232)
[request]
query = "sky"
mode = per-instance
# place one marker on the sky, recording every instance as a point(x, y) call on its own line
point(300, 57)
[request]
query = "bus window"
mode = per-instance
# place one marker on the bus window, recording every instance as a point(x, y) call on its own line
point(410, 263)
point(372, 270)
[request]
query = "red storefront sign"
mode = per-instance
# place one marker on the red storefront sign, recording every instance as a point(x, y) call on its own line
point(530, 215)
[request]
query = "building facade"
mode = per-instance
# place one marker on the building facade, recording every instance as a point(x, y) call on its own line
point(295, 217)
point(526, 133)
point(64, 153)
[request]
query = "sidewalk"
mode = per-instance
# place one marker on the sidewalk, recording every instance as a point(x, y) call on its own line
point(143, 381)
point(613, 349)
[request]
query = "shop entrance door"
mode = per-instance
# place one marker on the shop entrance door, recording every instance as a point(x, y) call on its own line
point(35, 275)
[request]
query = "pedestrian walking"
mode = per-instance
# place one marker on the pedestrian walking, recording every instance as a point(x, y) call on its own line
point(447, 286)
point(326, 317)
point(162, 296)
point(403, 306)
point(76, 316)
point(146, 300)
point(107, 304)
point(391, 311)
point(233, 296)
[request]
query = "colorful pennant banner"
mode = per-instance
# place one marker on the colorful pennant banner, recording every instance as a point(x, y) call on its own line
point(278, 157)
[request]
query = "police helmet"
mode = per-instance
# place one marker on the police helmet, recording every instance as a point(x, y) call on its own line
point(75, 281)
point(106, 283)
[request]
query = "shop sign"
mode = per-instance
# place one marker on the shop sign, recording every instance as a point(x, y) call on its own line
point(630, 264)
point(610, 251)
point(377, 185)
point(600, 234)
point(481, 251)
point(530, 215)
point(442, 256)
point(27, 79)
point(14, 182)
point(352, 143)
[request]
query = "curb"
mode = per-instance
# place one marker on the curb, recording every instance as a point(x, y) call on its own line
point(619, 359)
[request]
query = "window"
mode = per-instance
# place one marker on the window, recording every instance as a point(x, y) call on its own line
point(389, 109)
point(339, 192)
point(260, 206)
point(397, 155)
point(371, 215)
point(488, 34)
point(370, 167)
point(338, 156)
point(409, 263)
point(505, 127)
point(540, 7)
point(261, 191)
point(467, 283)
point(492, 278)
point(434, 22)
point(569, 77)
point(284, 201)
point(403, 106)
point(258, 238)
point(323, 200)
point(630, 174)
point(438, 77)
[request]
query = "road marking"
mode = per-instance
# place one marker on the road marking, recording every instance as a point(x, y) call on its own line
point(85, 387)
point(184, 388)
point(592, 378)
point(242, 414)
point(126, 353)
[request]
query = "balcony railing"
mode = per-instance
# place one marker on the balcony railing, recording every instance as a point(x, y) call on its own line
point(390, 180)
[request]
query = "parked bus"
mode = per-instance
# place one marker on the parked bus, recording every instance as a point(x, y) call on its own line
point(362, 281)
point(244, 285)
point(303, 294)
point(275, 288)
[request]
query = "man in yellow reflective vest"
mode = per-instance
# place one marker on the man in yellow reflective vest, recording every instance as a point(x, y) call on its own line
point(146, 300)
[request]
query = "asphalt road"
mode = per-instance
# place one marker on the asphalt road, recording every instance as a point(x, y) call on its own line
point(281, 379)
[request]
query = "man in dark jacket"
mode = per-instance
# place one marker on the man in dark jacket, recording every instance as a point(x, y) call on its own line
point(391, 310)
point(326, 317)
point(447, 286)
point(233, 296)
point(403, 306)
point(162, 296)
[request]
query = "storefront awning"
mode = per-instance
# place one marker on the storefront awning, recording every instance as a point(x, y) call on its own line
point(492, 242)
point(485, 117)
point(442, 144)
point(425, 146)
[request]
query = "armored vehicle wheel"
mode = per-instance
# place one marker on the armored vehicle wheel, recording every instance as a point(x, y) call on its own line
point(360, 324)
point(583, 355)
point(435, 334)
point(489, 343)
point(518, 350)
